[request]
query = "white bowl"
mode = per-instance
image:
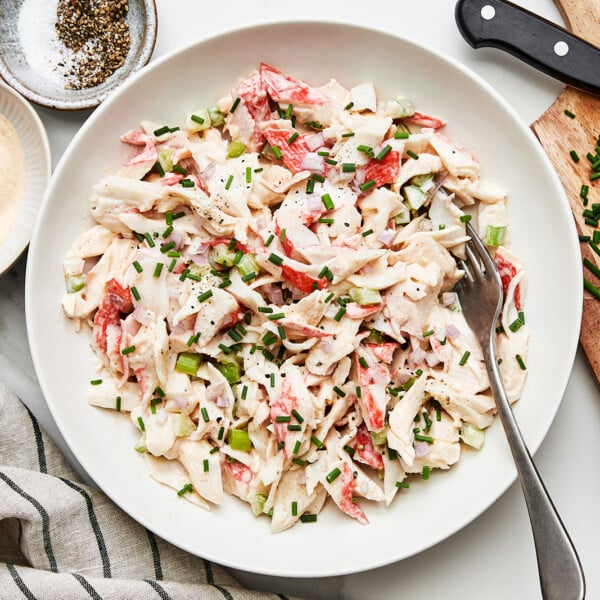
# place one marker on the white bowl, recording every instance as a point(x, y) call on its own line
point(542, 234)
point(38, 167)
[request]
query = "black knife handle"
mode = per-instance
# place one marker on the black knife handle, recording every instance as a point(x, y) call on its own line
point(531, 38)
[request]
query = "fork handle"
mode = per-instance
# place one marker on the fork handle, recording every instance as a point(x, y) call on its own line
point(560, 571)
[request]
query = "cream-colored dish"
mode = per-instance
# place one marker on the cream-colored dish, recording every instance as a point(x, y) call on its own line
point(482, 121)
point(24, 173)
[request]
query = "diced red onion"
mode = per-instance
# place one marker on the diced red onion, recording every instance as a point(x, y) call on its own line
point(452, 331)
point(142, 316)
point(200, 259)
point(421, 449)
point(274, 295)
point(359, 177)
point(386, 237)
point(315, 204)
point(403, 377)
point(161, 417)
point(448, 298)
point(315, 141)
point(418, 355)
point(176, 237)
point(181, 401)
point(432, 359)
point(209, 170)
point(313, 162)
point(223, 402)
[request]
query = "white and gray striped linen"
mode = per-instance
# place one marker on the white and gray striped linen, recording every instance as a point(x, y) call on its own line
point(63, 540)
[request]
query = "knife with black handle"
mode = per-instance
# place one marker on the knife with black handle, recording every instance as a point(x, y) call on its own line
point(540, 43)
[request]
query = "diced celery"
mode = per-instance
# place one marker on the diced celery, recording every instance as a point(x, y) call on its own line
point(402, 217)
point(231, 371)
point(221, 256)
point(165, 158)
point(140, 446)
point(415, 196)
point(236, 149)
point(197, 120)
point(364, 296)
point(494, 236)
point(379, 437)
point(240, 440)
point(425, 182)
point(188, 362)
point(248, 265)
point(216, 117)
point(74, 283)
point(405, 108)
point(258, 504)
point(183, 425)
point(472, 436)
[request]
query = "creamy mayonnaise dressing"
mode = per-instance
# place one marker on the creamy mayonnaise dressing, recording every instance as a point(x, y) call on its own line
point(12, 177)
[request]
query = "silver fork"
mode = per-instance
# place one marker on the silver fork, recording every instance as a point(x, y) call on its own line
point(481, 297)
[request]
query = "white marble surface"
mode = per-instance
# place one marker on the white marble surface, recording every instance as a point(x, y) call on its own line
point(493, 557)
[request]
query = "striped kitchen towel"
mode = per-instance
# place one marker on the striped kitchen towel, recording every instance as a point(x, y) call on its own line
point(63, 540)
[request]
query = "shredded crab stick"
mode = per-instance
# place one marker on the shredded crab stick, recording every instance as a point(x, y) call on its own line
point(268, 287)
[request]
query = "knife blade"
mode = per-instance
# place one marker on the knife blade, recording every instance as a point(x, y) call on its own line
point(538, 42)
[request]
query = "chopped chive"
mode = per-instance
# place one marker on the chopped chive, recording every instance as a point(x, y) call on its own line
point(221, 433)
point(294, 427)
point(297, 416)
point(423, 438)
point(197, 119)
point(323, 271)
point(179, 215)
point(194, 277)
point(275, 259)
point(225, 349)
point(234, 335)
point(138, 236)
point(569, 114)
point(283, 419)
point(323, 152)
point(149, 239)
point(366, 149)
point(426, 471)
point(293, 137)
point(340, 313)
point(348, 167)
point(166, 247)
point(584, 191)
point(349, 449)
point(327, 202)
point(591, 266)
point(317, 177)
point(277, 152)
point(179, 169)
point(282, 235)
point(384, 152)
point(188, 487)
point(238, 257)
point(269, 240)
point(363, 362)
point(281, 330)
point(162, 130)
point(205, 296)
point(265, 309)
point(331, 161)
point(249, 277)
point(137, 266)
point(316, 441)
point(269, 338)
point(401, 135)
point(521, 362)
point(294, 509)
point(427, 333)
point(412, 155)
point(366, 185)
point(118, 404)
point(244, 392)
point(326, 221)
point(340, 392)
point(135, 293)
point(187, 183)
point(465, 218)
point(348, 135)
point(297, 447)
point(358, 391)
point(272, 380)
point(516, 325)
point(574, 156)
point(349, 106)
point(594, 247)
point(392, 454)
point(310, 186)
point(464, 358)
point(288, 111)
point(193, 339)
point(594, 176)
point(159, 168)
point(214, 450)
point(248, 174)
point(95, 381)
point(402, 484)
point(204, 413)
point(299, 462)
point(141, 423)
point(128, 350)
point(205, 465)
point(167, 232)
point(229, 182)
point(367, 233)
point(259, 170)
point(235, 105)
point(329, 297)
point(333, 475)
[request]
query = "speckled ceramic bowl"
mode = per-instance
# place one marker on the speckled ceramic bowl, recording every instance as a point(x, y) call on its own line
point(20, 20)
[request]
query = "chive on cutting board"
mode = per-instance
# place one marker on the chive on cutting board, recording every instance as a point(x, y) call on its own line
point(560, 134)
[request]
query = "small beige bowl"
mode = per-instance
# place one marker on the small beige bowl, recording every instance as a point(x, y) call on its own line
point(45, 89)
point(38, 167)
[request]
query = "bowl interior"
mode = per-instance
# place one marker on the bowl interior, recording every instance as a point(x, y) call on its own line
point(28, 54)
point(479, 119)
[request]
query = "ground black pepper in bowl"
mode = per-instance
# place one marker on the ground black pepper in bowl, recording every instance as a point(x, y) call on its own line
point(98, 32)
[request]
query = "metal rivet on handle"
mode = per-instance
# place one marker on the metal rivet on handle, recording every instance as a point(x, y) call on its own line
point(488, 12)
point(561, 48)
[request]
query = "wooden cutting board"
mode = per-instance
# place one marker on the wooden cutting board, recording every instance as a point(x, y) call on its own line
point(560, 134)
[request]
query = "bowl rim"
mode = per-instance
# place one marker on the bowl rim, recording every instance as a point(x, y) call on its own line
point(150, 34)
